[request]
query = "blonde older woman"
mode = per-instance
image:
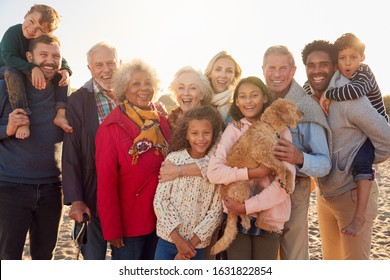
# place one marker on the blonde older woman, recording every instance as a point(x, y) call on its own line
point(130, 147)
point(190, 89)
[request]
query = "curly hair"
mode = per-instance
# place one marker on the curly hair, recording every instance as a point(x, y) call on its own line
point(320, 45)
point(49, 16)
point(349, 40)
point(122, 77)
point(179, 137)
point(224, 54)
point(234, 110)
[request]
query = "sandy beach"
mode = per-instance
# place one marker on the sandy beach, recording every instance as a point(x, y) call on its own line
point(66, 249)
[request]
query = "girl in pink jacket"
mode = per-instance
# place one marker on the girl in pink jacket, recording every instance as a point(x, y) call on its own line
point(250, 99)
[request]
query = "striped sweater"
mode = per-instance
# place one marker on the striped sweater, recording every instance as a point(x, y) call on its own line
point(362, 83)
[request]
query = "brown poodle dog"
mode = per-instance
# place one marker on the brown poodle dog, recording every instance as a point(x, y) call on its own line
point(251, 150)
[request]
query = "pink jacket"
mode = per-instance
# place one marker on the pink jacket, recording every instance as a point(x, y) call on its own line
point(273, 200)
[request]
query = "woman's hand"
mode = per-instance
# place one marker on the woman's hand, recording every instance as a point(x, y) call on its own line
point(168, 172)
point(117, 243)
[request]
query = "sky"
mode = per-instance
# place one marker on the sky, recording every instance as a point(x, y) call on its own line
point(170, 34)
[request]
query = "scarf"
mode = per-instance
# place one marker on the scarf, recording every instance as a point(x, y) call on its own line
point(222, 101)
point(150, 137)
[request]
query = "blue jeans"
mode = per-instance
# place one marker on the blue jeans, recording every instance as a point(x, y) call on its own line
point(96, 246)
point(167, 251)
point(29, 208)
point(136, 248)
point(363, 161)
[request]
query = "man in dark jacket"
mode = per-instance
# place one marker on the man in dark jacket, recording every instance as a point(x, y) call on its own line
point(86, 110)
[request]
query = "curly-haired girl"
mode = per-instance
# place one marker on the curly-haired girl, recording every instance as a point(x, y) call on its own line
point(189, 208)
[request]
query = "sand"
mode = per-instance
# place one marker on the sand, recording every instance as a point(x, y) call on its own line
point(66, 249)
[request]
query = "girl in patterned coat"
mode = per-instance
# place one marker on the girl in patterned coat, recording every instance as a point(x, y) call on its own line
point(189, 208)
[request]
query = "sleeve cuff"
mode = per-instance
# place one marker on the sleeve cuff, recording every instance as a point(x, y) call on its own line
point(306, 164)
point(3, 132)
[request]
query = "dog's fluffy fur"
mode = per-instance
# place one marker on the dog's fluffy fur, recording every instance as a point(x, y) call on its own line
point(253, 148)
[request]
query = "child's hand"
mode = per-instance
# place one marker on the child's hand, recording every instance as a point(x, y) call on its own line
point(65, 78)
point(194, 241)
point(185, 248)
point(38, 79)
point(17, 118)
point(325, 103)
point(181, 257)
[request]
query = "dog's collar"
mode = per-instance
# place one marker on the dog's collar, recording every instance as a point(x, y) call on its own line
point(276, 132)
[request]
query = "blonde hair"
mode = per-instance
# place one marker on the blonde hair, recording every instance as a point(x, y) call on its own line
point(49, 16)
point(124, 74)
point(224, 54)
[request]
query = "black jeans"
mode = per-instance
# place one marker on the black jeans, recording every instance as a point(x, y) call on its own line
point(29, 208)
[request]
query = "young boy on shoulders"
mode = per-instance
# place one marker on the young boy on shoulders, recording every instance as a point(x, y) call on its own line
point(361, 83)
point(14, 67)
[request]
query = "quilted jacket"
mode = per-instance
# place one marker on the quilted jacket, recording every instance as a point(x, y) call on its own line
point(125, 191)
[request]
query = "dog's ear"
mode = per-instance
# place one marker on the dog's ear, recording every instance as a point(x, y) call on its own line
point(287, 113)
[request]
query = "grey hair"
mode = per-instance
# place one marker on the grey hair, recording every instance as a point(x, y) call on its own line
point(98, 46)
point(279, 49)
point(204, 84)
point(123, 76)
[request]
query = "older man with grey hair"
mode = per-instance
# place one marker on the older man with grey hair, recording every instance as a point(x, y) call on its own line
point(309, 149)
point(86, 110)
